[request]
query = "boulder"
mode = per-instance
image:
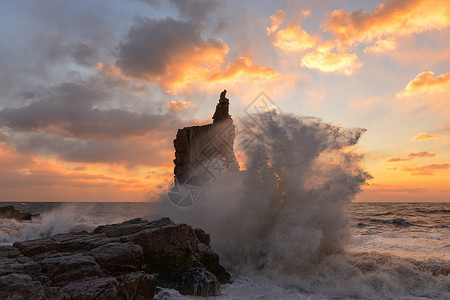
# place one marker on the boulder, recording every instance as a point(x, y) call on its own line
point(20, 287)
point(119, 261)
point(9, 212)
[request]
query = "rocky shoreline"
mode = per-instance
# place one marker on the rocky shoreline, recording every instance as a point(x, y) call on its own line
point(129, 260)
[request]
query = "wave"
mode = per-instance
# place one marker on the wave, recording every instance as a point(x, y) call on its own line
point(68, 217)
point(284, 216)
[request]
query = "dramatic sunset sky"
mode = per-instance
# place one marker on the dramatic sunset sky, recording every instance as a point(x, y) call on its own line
point(93, 92)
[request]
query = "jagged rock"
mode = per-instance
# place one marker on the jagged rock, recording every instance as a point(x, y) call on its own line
point(222, 108)
point(137, 285)
point(93, 288)
point(204, 152)
point(119, 261)
point(198, 281)
point(20, 287)
point(9, 212)
point(119, 258)
point(66, 267)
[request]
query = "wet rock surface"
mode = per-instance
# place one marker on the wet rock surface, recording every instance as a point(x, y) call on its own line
point(120, 261)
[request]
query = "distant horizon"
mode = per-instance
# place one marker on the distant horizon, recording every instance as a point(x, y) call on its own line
point(194, 207)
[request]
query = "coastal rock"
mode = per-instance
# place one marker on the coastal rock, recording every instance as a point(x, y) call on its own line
point(9, 212)
point(119, 261)
point(20, 286)
point(202, 153)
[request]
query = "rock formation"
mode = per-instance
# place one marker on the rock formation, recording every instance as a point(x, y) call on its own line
point(202, 153)
point(120, 261)
point(9, 212)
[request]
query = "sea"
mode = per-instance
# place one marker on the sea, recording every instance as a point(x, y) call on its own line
point(396, 251)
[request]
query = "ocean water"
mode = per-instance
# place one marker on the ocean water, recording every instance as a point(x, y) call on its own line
point(396, 251)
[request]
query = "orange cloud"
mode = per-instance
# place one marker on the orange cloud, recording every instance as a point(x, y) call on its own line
point(243, 67)
point(325, 61)
point(390, 19)
point(176, 106)
point(110, 69)
point(426, 170)
point(276, 19)
point(424, 136)
point(191, 67)
point(294, 38)
point(422, 154)
point(33, 178)
point(397, 159)
point(426, 83)
point(381, 46)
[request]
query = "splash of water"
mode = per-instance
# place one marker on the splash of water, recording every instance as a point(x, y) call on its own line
point(284, 216)
point(285, 210)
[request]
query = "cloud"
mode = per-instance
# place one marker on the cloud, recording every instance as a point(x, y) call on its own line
point(424, 136)
point(148, 150)
point(70, 111)
point(381, 46)
point(276, 19)
point(176, 106)
point(294, 38)
point(426, 170)
point(243, 67)
point(110, 69)
point(193, 10)
point(412, 155)
point(196, 10)
point(397, 159)
point(422, 154)
point(169, 51)
point(344, 63)
point(25, 177)
point(426, 83)
point(389, 20)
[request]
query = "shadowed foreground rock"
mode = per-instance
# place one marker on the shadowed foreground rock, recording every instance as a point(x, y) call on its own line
point(120, 261)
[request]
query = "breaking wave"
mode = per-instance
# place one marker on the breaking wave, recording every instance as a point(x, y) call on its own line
point(284, 216)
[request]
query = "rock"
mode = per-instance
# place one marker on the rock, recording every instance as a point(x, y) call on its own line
point(20, 286)
point(93, 288)
point(204, 152)
point(119, 261)
point(118, 258)
point(198, 281)
point(222, 108)
point(137, 285)
point(68, 267)
point(9, 212)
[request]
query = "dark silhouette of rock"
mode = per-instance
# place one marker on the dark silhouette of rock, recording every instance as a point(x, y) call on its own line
point(222, 108)
point(9, 212)
point(204, 152)
point(119, 261)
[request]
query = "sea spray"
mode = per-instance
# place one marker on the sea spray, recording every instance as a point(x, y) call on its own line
point(286, 210)
point(284, 216)
point(71, 217)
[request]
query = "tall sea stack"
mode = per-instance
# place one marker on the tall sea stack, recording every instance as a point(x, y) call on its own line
point(204, 153)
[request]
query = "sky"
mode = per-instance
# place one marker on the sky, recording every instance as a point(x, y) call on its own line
point(92, 92)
